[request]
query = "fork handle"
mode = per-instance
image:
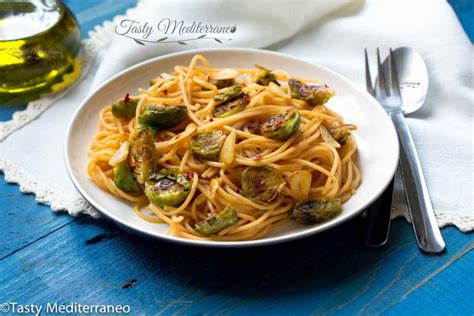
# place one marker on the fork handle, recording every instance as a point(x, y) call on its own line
point(424, 223)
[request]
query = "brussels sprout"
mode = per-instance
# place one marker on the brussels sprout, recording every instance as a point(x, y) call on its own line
point(342, 134)
point(207, 145)
point(143, 153)
point(316, 94)
point(167, 188)
point(162, 116)
point(220, 84)
point(264, 76)
point(316, 211)
point(281, 126)
point(232, 107)
point(229, 94)
point(124, 179)
point(261, 183)
point(125, 108)
point(217, 222)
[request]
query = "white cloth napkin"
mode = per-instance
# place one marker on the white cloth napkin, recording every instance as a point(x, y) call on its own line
point(331, 33)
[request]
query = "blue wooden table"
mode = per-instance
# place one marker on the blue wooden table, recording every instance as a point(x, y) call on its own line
point(53, 258)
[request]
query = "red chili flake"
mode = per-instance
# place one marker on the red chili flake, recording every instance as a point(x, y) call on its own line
point(132, 162)
point(211, 119)
point(208, 78)
point(165, 91)
point(127, 99)
point(189, 175)
point(244, 84)
point(257, 157)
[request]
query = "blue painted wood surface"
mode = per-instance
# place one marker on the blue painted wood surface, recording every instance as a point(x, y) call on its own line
point(91, 262)
point(45, 257)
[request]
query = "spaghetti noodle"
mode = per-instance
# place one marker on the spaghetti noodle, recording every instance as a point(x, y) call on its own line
point(312, 162)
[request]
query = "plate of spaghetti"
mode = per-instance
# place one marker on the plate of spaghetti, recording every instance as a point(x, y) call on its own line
point(230, 147)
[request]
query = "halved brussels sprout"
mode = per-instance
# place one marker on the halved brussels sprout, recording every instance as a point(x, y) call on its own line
point(281, 126)
point(124, 179)
point(229, 94)
point(221, 84)
point(232, 107)
point(261, 183)
point(315, 94)
point(207, 145)
point(162, 116)
point(167, 188)
point(264, 76)
point(217, 222)
point(143, 153)
point(342, 134)
point(125, 108)
point(316, 211)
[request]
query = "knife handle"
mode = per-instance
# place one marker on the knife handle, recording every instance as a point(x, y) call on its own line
point(426, 229)
point(378, 218)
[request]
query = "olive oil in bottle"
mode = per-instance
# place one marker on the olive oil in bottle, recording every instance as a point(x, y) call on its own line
point(39, 49)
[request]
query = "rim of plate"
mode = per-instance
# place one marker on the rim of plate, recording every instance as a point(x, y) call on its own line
point(227, 244)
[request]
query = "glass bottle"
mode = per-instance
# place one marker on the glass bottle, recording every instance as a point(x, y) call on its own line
point(40, 49)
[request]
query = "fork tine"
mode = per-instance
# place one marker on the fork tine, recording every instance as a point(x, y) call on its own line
point(381, 87)
point(393, 78)
point(368, 79)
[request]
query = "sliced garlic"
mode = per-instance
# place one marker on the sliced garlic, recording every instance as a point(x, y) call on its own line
point(120, 155)
point(228, 149)
point(300, 183)
point(327, 137)
point(226, 74)
point(166, 76)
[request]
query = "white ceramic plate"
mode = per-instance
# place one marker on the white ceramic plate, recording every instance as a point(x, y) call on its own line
point(376, 138)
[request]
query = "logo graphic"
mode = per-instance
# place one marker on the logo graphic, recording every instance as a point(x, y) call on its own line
point(4, 308)
point(409, 84)
point(168, 31)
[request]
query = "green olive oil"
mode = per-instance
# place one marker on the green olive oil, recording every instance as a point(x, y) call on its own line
point(39, 49)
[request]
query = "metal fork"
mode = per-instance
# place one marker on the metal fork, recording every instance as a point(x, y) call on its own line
point(379, 212)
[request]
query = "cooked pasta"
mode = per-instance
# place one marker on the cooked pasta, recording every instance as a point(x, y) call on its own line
point(226, 154)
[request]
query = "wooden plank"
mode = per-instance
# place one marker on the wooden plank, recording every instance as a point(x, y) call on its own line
point(24, 220)
point(93, 262)
point(348, 280)
point(448, 292)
